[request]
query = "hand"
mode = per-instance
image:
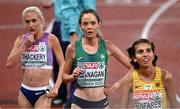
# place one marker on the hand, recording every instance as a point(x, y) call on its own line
point(29, 41)
point(52, 93)
point(76, 72)
point(31, 38)
point(109, 90)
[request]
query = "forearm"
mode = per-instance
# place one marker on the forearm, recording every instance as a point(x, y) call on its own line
point(170, 89)
point(118, 84)
point(59, 79)
point(14, 57)
point(68, 78)
point(125, 97)
point(171, 93)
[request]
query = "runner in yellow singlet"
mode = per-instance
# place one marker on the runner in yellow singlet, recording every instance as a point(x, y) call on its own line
point(150, 85)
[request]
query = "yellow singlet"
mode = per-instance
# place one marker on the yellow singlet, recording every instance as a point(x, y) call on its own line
point(149, 95)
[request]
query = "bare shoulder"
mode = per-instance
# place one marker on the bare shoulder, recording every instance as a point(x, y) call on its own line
point(167, 76)
point(53, 40)
point(19, 40)
point(110, 46)
point(128, 80)
point(71, 47)
point(70, 52)
point(128, 76)
point(52, 37)
point(20, 37)
point(108, 43)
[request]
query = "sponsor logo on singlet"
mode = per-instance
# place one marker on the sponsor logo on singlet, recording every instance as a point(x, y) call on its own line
point(35, 56)
point(93, 75)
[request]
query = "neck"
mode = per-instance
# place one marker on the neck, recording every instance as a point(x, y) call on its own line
point(91, 41)
point(147, 71)
point(90, 45)
point(38, 34)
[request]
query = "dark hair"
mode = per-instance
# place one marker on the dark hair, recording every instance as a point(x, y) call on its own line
point(86, 11)
point(131, 52)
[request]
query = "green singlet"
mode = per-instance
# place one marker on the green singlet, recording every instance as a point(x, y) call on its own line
point(94, 65)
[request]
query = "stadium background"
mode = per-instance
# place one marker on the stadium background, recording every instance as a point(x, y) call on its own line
point(123, 21)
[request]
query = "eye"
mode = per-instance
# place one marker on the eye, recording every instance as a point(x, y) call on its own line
point(140, 51)
point(34, 20)
point(93, 23)
point(27, 21)
point(148, 50)
point(85, 23)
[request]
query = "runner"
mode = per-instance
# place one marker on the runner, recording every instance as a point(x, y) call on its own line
point(89, 57)
point(150, 85)
point(34, 49)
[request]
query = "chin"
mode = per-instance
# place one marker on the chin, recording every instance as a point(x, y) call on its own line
point(146, 65)
point(32, 32)
point(89, 37)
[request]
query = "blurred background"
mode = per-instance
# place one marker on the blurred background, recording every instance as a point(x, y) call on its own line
point(123, 21)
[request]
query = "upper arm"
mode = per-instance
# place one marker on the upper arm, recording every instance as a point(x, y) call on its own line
point(167, 78)
point(170, 88)
point(14, 53)
point(70, 54)
point(118, 54)
point(55, 45)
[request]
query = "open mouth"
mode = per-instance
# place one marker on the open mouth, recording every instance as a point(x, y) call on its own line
point(89, 32)
point(31, 29)
point(146, 60)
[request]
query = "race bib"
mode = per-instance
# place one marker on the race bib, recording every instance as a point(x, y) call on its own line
point(148, 100)
point(35, 56)
point(94, 74)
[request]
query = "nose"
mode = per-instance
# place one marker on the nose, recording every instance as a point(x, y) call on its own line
point(31, 24)
point(89, 26)
point(145, 53)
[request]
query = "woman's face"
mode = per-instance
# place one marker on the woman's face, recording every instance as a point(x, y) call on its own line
point(89, 25)
point(144, 55)
point(33, 22)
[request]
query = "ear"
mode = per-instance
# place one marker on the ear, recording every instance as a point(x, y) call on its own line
point(43, 21)
point(99, 24)
point(134, 60)
point(80, 29)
